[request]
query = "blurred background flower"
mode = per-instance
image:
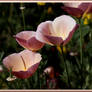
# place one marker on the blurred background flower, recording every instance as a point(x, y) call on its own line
point(88, 19)
point(82, 9)
point(41, 3)
point(1, 68)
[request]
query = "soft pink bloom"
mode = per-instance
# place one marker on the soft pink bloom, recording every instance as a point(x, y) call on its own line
point(77, 9)
point(23, 64)
point(50, 71)
point(51, 80)
point(58, 31)
point(27, 40)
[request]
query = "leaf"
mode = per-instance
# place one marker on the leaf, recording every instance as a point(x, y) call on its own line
point(89, 48)
point(1, 55)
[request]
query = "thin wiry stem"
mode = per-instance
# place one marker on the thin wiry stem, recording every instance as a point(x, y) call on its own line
point(22, 11)
point(62, 53)
point(81, 54)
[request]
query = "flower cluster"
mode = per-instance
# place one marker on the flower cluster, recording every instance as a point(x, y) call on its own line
point(57, 32)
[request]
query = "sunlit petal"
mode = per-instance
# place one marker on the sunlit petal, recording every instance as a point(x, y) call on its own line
point(22, 64)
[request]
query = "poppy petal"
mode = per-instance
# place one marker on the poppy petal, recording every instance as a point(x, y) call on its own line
point(54, 40)
point(71, 11)
point(34, 44)
point(45, 28)
point(71, 34)
point(13, 62)
point(85, 6)
point(26, 74)
point(63, 25)
point(73, 4)
point(24, 39)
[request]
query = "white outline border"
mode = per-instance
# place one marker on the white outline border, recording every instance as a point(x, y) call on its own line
point(43, 90)
point(46, 1)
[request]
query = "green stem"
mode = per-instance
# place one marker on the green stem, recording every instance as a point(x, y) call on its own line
point(78, 64)
point(60, 49)
point(11, 12)
point(27, 82)
point(22, 11)
point(9, 28)
point(91, 36)
point(81, 45)
point(81, 54)
point(10, 73)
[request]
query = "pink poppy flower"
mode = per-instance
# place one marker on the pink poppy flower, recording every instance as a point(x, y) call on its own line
point(27, 40)
point(77, 9)
point(58, 31)
point(23, 64)
point(50, 71)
